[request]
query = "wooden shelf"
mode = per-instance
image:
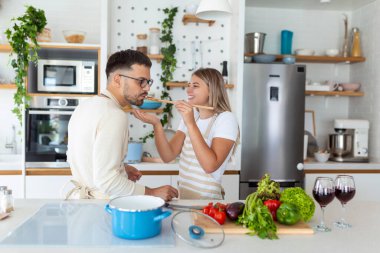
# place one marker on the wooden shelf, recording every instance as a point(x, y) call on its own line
point(7, 86)
point(184, 84)
point(7, 48)
point(157, 57)
point(320, 59)
point(187, 18)
point(335, 93)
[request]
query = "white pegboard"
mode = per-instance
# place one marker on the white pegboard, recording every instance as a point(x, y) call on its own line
point(210, 45)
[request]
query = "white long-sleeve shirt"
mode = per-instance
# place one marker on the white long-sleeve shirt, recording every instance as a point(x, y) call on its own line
point(97, 145)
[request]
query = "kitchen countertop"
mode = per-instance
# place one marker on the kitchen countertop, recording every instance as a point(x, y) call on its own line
point(362, 237)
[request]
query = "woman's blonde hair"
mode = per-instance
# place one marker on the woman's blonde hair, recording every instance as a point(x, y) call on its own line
point(217, 92)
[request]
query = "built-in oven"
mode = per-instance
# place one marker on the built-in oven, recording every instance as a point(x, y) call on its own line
point(46, 128)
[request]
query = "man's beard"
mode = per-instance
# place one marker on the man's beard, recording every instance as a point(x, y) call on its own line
point(134, 100)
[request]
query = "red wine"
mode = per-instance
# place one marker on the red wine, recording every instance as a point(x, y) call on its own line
point(345, 195)
point(323, 198)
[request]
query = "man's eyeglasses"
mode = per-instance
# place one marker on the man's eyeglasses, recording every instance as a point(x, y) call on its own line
point(143, 82)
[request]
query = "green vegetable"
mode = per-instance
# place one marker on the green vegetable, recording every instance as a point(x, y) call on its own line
point(268, 189)
point(256, 217)
point(288, 214)
point(298, 197)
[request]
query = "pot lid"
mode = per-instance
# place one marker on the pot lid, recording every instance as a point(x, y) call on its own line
point(197, 229)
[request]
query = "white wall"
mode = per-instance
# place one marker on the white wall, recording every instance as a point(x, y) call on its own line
point(368, 107)
point(317, 30)
point(129, 18)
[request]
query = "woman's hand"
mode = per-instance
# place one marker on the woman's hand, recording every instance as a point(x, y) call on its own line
point(146, 117)
point(186, 111)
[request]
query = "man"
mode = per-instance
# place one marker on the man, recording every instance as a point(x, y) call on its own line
point(98, 133)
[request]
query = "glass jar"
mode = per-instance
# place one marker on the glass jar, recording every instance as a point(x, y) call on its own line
point(7, 201)
point(142, 45)
point(154, 41)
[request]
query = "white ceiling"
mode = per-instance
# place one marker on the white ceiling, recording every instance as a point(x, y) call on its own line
point(337, 5)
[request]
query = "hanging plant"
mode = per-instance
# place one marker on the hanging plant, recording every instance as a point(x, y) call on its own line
point(22, 37)
point(168, 64)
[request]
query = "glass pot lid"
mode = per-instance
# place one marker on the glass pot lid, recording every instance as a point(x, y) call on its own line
point(197, 229)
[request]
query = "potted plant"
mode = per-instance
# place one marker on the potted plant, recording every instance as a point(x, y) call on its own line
point(22, 37)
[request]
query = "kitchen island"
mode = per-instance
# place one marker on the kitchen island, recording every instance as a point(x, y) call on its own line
point(362, 237)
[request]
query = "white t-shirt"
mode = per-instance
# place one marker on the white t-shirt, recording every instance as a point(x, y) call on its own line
point(225, 126)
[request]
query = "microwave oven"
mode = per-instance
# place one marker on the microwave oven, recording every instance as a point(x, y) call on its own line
point(66, 76)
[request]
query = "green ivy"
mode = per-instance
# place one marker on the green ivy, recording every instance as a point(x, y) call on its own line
point(22, 37)
point(168, 64)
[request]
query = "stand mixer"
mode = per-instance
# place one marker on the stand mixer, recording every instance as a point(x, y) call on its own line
point(350, 142)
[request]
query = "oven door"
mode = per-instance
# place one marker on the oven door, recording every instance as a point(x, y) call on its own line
point(46, 135)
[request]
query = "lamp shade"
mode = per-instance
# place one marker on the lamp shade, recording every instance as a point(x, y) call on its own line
point(213, 9)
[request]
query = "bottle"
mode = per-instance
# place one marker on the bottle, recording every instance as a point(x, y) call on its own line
point(356, 50)
point(7, 201)
point(225, 72)
point(142, 45)
point(154, 41)
point(286, 42)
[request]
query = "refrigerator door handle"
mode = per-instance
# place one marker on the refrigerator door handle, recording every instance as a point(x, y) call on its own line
point(300, 166)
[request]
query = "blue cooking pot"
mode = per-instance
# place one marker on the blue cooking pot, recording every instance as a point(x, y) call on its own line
point(137, 217)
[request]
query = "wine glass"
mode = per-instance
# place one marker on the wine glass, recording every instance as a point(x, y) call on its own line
point(344, 191)
point(323, 193)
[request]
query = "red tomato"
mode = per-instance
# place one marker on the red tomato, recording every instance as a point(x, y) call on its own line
point(220, 217)
point(206, 210)
point(213, 211)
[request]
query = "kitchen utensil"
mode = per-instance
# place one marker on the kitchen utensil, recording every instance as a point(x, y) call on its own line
point(72, 36)
point(264, 58)
point(230, 227)
point(345, 48)
point(149, 104)
point(183, 207)
point(350, 86)
point(254, 42)
point(340, 144)
point(136, 217)
point(321, 157)
point(173, 102)
point(306, 52)
point(186, 226)
point(289, 59)
point(134, 153)
point(332, 52)
point(356, 50)
point(286, 42)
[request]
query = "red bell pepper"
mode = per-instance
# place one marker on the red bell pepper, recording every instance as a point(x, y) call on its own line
point(273, 205)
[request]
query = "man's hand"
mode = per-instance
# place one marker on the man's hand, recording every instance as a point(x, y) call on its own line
point(165, 192)
point(133, 174)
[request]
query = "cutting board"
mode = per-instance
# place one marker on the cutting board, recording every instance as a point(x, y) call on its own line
point(229, 227)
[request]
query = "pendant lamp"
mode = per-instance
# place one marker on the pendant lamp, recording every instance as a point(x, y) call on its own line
point(213, 9)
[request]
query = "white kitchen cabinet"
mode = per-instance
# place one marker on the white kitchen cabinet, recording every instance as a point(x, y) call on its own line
point(367, 185)
point(230, 184)
point(13, 182)
point(46, 187)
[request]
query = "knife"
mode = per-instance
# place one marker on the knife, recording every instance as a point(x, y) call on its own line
point(183, 207)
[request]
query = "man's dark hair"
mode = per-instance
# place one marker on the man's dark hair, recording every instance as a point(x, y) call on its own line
point(125, 59)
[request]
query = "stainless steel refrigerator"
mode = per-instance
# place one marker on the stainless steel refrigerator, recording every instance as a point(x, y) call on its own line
point(272, 124)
